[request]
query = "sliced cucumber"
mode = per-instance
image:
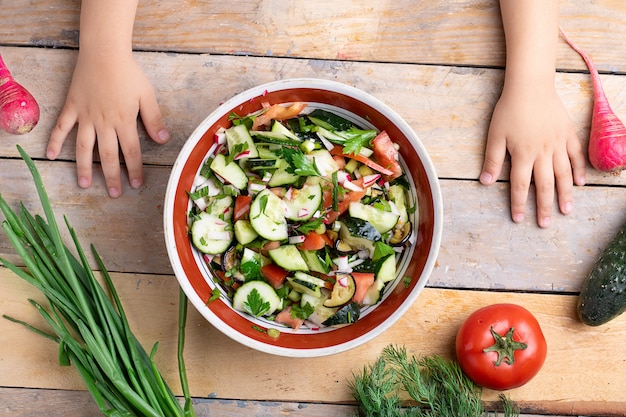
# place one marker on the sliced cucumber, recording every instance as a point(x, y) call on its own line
point(288, 257)
point(272, 137)
point(343, 291)
point(307, 284)
point(397, 194)
point(231, 172)
point(281, 176)
point(238, 135)
point(203, 232)
point(267, 216)
point(242, 300)
point(324, 162)
point(387, 270)
point(315, 261)
point(244, 232)
point(280, 129)
point(304, 202)
point(221, 207)
point(312, 300)
point(382, 220)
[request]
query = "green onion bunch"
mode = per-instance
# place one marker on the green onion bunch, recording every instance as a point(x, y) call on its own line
point(86, 320)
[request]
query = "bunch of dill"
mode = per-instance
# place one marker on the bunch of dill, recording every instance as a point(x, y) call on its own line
point(437, 387)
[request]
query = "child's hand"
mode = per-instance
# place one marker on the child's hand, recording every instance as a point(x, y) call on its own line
point(534, 127)
point(108, 91)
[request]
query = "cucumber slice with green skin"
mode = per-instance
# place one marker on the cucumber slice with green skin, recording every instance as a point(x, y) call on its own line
point(244, 232)
point(315, 261)
point(603, 293)
point(397, 194)
point(330, 120)
point(288, 257)
point(281, 176)
point(304, 202)
point(272, 137)
point(382, 220)
point(238, 135)
point(280, 129)
point(267, 216)
point(307, 284)
point(205, 228)
point(347, 314)
point(387, 270)
point(265, 293)
point(231, 172)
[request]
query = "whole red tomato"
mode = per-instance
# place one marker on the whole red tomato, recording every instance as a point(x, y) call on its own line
point(501, 346)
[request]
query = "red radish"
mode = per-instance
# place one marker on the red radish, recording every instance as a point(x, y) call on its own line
point(19, 111)
point(607, 139)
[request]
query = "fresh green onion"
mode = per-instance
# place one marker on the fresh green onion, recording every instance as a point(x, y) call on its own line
point(90, 327)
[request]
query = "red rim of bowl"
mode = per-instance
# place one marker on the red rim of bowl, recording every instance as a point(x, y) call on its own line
point(190, 275)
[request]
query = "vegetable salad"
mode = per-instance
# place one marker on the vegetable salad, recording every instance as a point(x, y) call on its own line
point(301, 215)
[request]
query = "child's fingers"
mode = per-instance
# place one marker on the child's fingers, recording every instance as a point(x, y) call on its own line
point(494, 158)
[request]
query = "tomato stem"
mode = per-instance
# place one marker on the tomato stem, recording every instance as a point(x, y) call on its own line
point(505, 347)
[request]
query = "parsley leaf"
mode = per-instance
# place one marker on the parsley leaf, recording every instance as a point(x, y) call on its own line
point(237, 149)
point(302, 312)
point(299, 164)
point(251, 270)
point(310, 226)
point(382, 250)
point(255, 305)
point(356, 139)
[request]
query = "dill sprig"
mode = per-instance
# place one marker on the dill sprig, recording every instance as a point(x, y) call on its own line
point(437, 387)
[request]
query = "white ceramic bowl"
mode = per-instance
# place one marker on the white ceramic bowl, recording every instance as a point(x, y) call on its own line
point(194, 275)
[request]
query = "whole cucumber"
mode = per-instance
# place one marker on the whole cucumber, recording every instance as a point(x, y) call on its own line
point(603, 294)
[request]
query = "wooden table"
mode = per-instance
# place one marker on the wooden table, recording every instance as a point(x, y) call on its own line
point(439, 64)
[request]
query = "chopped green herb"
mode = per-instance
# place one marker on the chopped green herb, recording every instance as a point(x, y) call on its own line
point(299, 164)
point(215, 294)
point(407, 281)
point(255, 305)
point(310, 226)
point(382, 250)
point(356, 139)
point(302, 312)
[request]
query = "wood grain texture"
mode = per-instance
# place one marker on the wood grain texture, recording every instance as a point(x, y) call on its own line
point(439, 65)
point(594, 385)
point(428, 32)
point(448, 107)
point(476, 250)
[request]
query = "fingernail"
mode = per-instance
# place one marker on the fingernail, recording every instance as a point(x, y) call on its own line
point(83, 182)
point(135, 183)
point(50, 154)
point(163, 135)
point(518, 218)
point(545, 222)
point(114, 192)
point(485, 178)
point(568, 207)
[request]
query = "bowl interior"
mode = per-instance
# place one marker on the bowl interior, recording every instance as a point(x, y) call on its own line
point(192, 272)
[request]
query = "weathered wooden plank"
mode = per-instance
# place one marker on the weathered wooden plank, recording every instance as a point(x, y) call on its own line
point(21, 402)
point(584, 373)
point(448, 107)
point(433, 32)
point(478, 236)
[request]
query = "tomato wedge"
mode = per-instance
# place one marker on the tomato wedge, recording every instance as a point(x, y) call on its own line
point(278, 112)
point(242, 207)
point(285, 317)
point(274, 274)
point(312, 241)
point(363, 281)
point(386, 154)
point(364, 160)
